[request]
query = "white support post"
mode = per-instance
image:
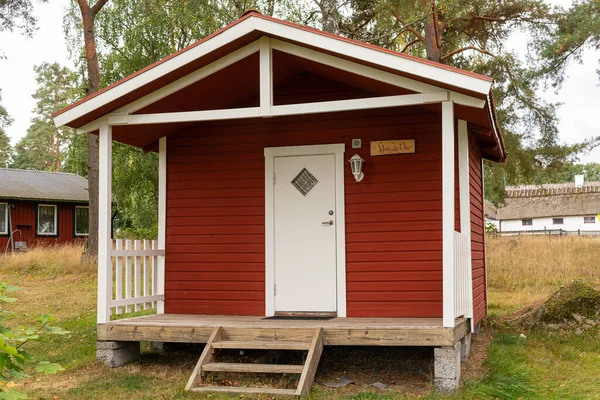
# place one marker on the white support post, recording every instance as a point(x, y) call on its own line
point(162, 220)
point(465, 206)
point(448, 213)
point(104, 224)
point(266, 77)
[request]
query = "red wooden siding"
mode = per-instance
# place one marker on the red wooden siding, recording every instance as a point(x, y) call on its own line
point(24, 218)
point(477, 234)
point(215, 213)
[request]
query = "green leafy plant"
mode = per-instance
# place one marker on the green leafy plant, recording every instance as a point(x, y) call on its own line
point(490, 228)
point(13, 358)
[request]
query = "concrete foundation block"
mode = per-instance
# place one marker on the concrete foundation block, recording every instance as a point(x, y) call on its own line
point(465, 347)
point(446, 368)
point(115, 354)
point(477, 328)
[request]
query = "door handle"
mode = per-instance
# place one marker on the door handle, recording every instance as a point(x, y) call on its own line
point(327, 223)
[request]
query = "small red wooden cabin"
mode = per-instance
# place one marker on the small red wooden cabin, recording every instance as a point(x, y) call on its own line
point(38, 207)
point(259, 211)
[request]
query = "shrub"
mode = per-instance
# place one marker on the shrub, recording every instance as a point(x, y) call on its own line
point(13, 358)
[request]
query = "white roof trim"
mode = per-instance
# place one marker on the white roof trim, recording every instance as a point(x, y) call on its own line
point(222, 39)
point(292, 33)
point(401, 64)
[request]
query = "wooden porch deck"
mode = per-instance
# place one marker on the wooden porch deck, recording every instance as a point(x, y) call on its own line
point(185, 328)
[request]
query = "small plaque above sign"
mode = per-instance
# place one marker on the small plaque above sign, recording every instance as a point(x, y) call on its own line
point(386, 147)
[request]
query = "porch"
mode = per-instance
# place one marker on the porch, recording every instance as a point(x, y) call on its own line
point(181, 328)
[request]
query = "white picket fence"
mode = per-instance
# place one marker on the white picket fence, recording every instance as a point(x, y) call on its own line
point(463, 296)
point(135, 275)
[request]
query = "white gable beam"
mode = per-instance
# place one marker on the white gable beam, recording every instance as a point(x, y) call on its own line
point(266, 76)
point(223, 38)
point(360, 104)
point(185, 116)
point(279, 111)
point(402, 64)
point(369, 72)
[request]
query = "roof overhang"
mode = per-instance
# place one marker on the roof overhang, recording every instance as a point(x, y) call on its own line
point(466, 88)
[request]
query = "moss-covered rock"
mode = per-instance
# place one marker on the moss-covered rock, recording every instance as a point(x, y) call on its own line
point(573, 306)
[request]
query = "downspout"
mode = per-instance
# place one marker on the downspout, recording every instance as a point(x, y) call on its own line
point(10, 229)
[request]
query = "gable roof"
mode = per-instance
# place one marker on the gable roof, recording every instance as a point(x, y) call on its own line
point(250, 27)
point(26, 184)
point(551, 200)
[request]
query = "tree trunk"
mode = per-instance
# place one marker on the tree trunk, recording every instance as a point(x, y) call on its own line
point(330, 16)
point(93, 83)
point(433, 42)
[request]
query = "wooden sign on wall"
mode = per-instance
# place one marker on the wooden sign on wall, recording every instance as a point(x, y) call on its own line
point(385, 147)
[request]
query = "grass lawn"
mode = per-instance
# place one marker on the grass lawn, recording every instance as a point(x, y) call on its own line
point(504, 364)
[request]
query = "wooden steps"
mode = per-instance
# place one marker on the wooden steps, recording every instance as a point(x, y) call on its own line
point(244, 390)
point(283, 339)
point(262, 345)
point(258, 368)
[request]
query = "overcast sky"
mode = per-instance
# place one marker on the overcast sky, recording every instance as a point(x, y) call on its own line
point(580, 93)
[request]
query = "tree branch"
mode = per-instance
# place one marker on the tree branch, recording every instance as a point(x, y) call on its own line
point(98, 6)
point(408, 26)
point(410, 44)
point(454, 52)
point(83, 5)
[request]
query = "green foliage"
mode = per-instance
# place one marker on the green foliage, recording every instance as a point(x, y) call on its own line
point(574, 31)
point(18, 16)
point(43, 146)
point(5, 148)
point(135, 187)
point(591, 171)
point(490, 228)
point(75, 155)
point(34, 150)
point(13, 359)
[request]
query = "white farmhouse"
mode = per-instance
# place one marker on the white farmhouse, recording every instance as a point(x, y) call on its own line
point(572, 208)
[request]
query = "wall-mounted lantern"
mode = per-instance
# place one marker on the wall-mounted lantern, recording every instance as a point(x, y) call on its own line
point(356, 163)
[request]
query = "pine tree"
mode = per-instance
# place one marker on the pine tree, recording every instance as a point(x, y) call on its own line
point(43, 146)
point(5, 148)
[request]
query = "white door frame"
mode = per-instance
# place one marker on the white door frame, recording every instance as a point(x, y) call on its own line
point(293, 151)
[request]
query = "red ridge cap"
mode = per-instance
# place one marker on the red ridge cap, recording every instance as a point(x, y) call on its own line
point(255, 13)
point(250, 11)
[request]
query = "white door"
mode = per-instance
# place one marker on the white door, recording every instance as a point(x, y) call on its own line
point(305, 234)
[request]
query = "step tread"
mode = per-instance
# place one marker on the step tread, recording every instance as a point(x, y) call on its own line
point(244, 390)
point(257, 368)
point(264, 344)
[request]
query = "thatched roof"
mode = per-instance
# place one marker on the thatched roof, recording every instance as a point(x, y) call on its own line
point(564, 199)
point(490, 210)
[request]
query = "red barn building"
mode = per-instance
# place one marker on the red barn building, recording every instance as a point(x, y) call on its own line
point(38, 207)
point(261, 215)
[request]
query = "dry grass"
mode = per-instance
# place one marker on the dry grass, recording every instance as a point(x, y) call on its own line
point(526, 269)
point(57, 260)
